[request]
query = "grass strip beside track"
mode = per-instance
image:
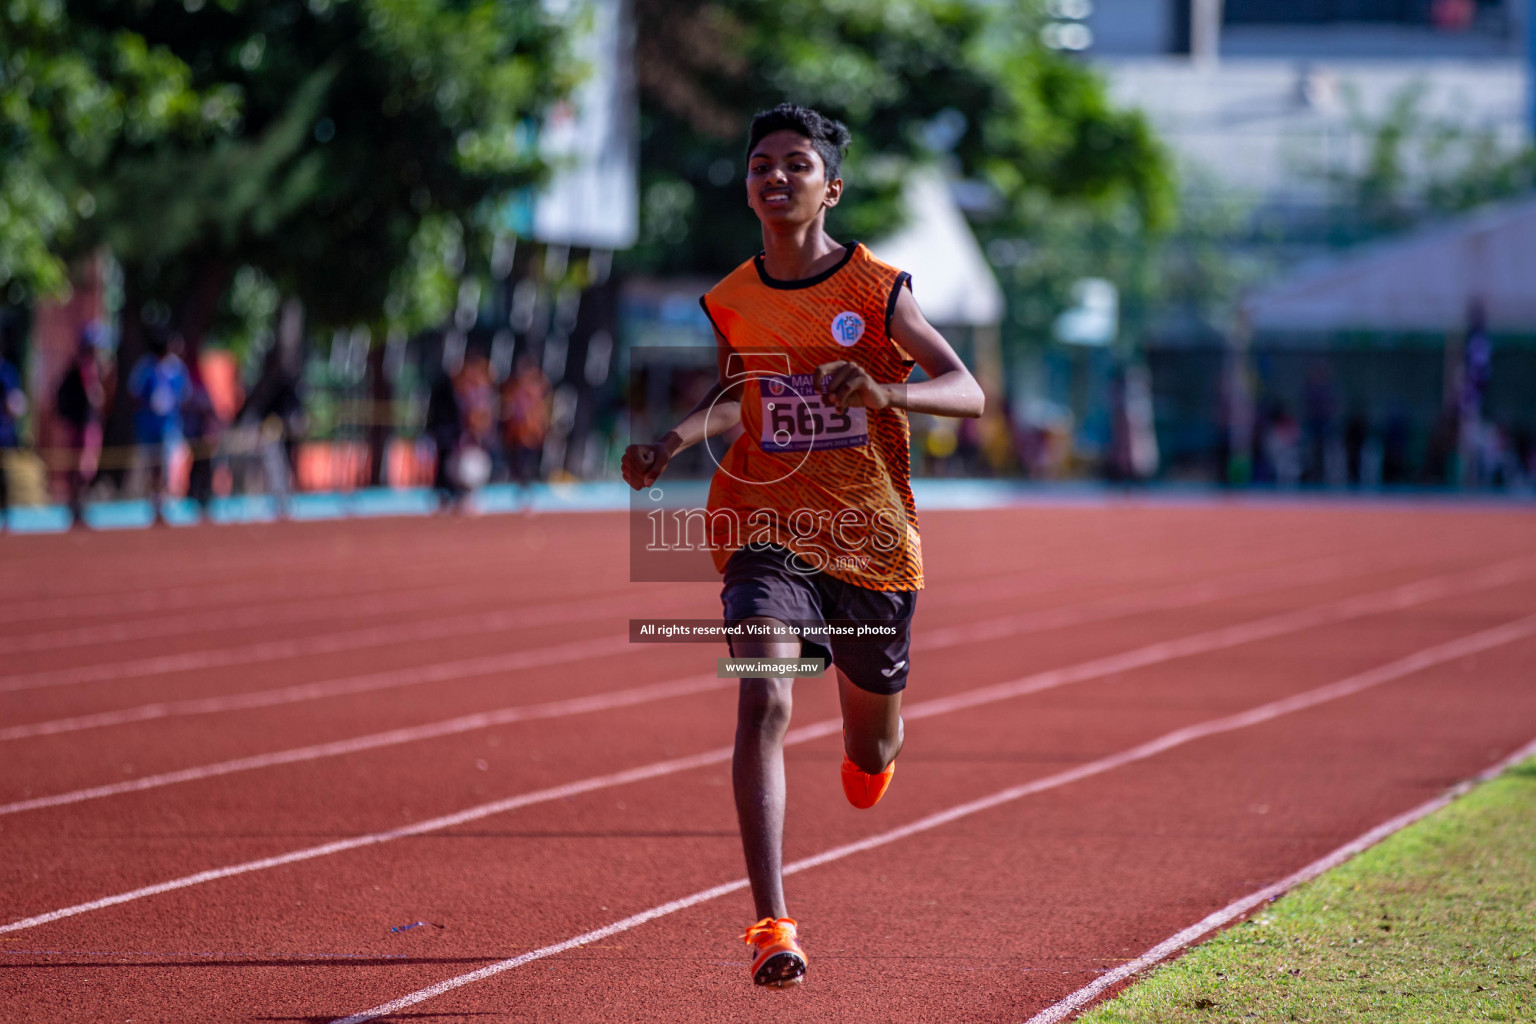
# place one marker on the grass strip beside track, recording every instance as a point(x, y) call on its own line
point(1436, 924)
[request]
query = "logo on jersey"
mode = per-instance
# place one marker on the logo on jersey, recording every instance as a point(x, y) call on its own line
point(847, 328)
point(775, 387)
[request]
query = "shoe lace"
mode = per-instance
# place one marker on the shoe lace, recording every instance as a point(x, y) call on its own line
point(770, 930)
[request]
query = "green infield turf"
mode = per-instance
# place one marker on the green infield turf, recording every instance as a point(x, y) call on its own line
point(1435, 924)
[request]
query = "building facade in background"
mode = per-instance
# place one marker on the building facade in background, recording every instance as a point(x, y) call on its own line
point(1280, 109)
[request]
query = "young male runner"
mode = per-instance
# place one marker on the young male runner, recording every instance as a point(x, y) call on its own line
point(812, 520)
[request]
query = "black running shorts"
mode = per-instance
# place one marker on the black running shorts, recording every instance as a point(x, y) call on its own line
point(770, 582)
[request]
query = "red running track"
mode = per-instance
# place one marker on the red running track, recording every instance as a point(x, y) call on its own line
point(1121, 719)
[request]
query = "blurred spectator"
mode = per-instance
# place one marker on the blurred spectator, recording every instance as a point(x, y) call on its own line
point(1394, 450)
point(445, 427)
point(380, 426)
point(525, 401)
point(13, 406)
point(967, 447)
point(1473, 433)
point(1042, 436)
point(274, 448)
point(478, 444)
point(1133, 454)
point(273, 413)
point(1440, 452)
point(1453, 15)
point(1280, 460)
point(1356, 432)
point(1525, 453)
point(79, 402)
point(201, 427)
point(477, 402)
point(1493, 456)
point(159, 386)
point(998, 457)
point(1321, 456)
point(940, 443)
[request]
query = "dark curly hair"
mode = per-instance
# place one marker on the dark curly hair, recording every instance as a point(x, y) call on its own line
point(828, 137)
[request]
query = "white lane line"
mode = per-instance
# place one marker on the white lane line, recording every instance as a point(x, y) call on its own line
point(383, 603)
point(1389, 600)
point(1240, 907)
point(1184, 595)
point(382, 598)
point(291, 567)
point(1174, 597)
point(458, 625)
point(412, 734)
point(335, 643)
point(569, 789)
point(1169, 598)
point(267, 614)
point(558, 654)
point(1334, 691)
point(395, 599)
point(1213, 641)
point(157, 601)
point(339, 581)
point(162, 626)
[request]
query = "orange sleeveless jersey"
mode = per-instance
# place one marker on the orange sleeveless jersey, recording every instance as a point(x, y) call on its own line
point(833, 486)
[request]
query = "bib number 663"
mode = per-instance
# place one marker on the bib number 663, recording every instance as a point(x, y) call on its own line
point(797, 417)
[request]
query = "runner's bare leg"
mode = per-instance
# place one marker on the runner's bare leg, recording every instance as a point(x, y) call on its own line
point(757, 770)
point(872, 729)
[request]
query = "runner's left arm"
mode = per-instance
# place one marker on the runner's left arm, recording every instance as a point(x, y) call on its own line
point(949, 391)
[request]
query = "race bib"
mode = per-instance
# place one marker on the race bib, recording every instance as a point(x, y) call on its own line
point(796, 418)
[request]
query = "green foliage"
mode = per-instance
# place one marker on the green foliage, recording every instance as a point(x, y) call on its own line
point(69, 95)
point(915, 80)
point(1191, 274)
point(429, 278)
point(253, 303)
point(333, 132)
point(1418, 165)
point(1048, 246)
point(365, 121)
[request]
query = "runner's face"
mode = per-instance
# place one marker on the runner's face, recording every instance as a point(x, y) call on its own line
point(787, 180)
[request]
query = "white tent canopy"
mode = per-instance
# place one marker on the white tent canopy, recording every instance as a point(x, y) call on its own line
point(950, 277)
point(1426, 281)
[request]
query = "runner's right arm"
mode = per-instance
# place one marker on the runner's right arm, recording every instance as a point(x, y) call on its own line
point(643, 464)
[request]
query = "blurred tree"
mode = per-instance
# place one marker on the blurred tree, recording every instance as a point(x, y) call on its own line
point(1417, 165)
point(351, 135)
point(1187, 278)
point(70, 95)
point(963, 82)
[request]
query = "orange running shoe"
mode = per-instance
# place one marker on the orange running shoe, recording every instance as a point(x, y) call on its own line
point(862, 789)
point(780, 962)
